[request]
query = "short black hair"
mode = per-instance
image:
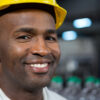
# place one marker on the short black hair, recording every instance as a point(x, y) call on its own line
point(12, 8)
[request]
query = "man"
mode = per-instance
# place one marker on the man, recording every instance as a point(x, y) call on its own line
point(29, 49)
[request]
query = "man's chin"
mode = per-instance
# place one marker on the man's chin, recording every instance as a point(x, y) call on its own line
point(38, 83)
point(35, 87)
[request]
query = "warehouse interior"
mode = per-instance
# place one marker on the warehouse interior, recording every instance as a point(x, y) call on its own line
point(80, 56)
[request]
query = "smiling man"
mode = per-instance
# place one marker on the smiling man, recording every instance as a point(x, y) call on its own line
point(29, 49)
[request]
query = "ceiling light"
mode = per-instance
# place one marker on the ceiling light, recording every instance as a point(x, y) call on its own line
point(82, 23)
point(69, 35)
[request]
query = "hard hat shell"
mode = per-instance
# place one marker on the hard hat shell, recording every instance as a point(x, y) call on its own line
point(60, 12)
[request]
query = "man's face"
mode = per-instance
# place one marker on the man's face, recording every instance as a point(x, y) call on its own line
point(29, 50)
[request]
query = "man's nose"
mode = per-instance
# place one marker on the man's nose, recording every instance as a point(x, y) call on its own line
point(40, 47)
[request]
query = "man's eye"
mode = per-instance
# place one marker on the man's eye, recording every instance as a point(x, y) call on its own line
point(24, 37)
point(51, 38)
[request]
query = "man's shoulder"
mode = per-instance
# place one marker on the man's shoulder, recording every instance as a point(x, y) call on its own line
point(50, 95)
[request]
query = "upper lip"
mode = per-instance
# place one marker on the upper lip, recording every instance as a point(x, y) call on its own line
point(38, 61)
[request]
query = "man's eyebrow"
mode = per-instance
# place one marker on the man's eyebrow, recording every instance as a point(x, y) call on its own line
point(33, 31)
point(51, 31)
point(27, 30)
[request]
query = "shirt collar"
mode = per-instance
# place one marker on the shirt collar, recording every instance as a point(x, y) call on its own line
point(3, 96)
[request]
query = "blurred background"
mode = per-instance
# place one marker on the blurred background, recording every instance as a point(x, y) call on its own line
point(79, 39)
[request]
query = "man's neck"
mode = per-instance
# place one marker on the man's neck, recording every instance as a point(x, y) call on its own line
point(16, 93)
point(21, 96)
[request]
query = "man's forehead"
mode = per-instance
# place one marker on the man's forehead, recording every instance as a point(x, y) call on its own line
point(25, 18)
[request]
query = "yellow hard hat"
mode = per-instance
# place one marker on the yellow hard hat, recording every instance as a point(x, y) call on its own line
point(60, 12)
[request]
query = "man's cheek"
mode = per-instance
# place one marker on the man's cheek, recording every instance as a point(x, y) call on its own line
point(16, 50)
point(57, 53)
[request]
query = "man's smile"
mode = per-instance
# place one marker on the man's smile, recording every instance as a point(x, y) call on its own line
point(38, 66)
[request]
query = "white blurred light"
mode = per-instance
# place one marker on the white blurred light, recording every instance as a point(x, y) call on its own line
point(72, 65)
point(82, 23)
point(69, 35)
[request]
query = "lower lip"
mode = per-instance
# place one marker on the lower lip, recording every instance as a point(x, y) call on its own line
point(39, 70)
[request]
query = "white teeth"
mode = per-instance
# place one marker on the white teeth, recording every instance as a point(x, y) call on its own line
point(39, 65)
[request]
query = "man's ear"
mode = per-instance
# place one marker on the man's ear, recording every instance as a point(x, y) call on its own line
point(0, 63)
point(0, 67)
